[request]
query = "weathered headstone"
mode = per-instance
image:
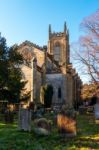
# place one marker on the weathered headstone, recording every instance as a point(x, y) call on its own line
point(24, 119)
point(42, 126)
point(66, 122)
point(96, 110)
point(66, 125)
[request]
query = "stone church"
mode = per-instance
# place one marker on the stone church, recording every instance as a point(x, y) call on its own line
point(51, 65)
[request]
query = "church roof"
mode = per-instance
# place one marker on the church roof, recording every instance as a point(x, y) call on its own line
point(30, 44)
point(52, 59)
point(56, 67)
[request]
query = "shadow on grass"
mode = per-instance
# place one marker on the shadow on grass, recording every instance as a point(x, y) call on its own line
point(87, 137)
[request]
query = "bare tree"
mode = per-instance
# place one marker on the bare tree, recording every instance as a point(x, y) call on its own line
point(87, 52)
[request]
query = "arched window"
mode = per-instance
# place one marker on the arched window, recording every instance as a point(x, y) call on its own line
point(57, 51)
point(59, 92)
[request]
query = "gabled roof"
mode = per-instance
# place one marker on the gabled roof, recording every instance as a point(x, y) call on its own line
point(30, 44)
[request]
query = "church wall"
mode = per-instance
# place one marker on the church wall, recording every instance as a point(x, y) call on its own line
point(38, 86)
point(53, 41)
point(29, 51)
point(26, 71)
point(69, 89)
point(51, 68)
point(27, 76)
point(40, 56)
point(56, 80)
point(63, 47)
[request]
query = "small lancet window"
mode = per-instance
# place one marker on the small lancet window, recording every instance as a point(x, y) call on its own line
point(59, 92)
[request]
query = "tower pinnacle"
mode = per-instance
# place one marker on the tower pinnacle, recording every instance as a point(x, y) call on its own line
point(65, 27)
point(49, 30)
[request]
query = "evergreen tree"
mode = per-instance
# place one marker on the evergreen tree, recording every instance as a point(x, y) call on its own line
point(11, 82)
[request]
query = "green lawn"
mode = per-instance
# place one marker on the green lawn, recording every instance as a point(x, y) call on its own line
point(87, 138)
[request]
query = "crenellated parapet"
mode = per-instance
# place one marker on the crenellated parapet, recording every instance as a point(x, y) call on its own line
point(57, 34)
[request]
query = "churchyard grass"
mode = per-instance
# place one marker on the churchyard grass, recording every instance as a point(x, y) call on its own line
point(87, 137)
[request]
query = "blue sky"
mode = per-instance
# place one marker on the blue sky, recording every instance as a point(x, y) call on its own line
point(29, 19)
point(22, 20)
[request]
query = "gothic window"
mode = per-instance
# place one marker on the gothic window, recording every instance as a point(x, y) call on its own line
point(57, 51)
point(59, 92)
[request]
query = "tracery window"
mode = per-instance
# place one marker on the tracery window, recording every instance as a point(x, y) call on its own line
point(57, 51)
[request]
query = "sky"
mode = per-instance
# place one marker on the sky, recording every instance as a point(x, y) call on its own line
point(22, 20)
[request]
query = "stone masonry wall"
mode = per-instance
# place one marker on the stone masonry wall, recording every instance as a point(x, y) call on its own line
point(26, 76)
point(56, 80)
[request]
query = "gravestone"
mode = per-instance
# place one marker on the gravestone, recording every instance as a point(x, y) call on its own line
point(66, 125)
point(9, 117)
point(96, 110)
point(24, 119)
point(42, 126)
point(66, 122)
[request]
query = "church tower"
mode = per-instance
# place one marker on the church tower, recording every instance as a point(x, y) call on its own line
point(58, 46)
